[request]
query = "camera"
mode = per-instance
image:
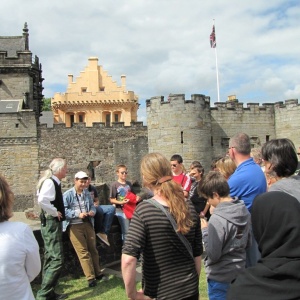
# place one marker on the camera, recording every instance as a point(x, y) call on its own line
point(87, 219)
point(43, 219)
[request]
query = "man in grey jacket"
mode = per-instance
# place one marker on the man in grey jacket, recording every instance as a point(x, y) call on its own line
point(80, 211)
point(225, 237)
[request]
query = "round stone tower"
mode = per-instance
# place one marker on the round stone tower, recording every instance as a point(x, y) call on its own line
point(179, 126)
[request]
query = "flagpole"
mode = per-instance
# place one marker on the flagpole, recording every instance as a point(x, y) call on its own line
point(218, 86)
point(217, 71)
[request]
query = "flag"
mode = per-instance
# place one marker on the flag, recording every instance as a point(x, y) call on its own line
point(212, 38)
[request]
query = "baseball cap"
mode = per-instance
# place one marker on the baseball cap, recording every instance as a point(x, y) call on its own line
point(81, 175)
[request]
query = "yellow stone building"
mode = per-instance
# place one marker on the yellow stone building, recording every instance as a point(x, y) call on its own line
point(95, 97)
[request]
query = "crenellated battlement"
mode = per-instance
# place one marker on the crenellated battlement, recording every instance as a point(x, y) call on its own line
point(290, 103)
point(179, 98)
point(97, 125)
point(21, 58)
point(239, 106)
point(200, 132)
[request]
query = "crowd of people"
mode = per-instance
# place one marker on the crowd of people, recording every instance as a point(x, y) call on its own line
point(243, 213)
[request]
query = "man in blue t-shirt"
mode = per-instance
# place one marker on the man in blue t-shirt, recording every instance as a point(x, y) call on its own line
point(246, 182)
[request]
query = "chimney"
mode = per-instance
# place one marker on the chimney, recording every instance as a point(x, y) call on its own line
point(123, 81)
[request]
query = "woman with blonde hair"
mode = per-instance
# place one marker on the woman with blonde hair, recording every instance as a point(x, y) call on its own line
point(19, 252)
point(226, 166)
point(171, 253)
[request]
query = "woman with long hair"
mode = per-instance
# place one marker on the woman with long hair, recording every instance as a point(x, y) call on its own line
point(171, 265)
point(19, 252)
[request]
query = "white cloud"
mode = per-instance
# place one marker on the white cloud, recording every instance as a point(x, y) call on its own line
point(162, 46)
point(293, 93)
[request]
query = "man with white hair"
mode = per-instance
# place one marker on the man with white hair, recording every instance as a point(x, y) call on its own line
point(50, 200)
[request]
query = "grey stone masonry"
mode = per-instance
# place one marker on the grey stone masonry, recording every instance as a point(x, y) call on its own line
point(287, 124)
point(179, 126)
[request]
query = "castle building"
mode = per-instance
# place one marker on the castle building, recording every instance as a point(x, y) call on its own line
point(95, 97)
point(20, 108)
point(198, 131)
point(21, 75)
point(95, 124)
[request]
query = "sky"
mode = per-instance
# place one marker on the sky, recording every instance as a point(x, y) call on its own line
point(163, 47)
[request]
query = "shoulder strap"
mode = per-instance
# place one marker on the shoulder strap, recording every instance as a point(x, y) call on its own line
point(182, 179)
point(171, 219)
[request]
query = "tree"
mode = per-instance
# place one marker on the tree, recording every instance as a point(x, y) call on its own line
point(46, 104)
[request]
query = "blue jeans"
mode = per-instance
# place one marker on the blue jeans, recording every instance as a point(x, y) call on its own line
point(124, 222)
point(217, 290)
point(104, 218)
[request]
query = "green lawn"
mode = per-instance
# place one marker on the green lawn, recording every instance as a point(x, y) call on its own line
point(112, 289)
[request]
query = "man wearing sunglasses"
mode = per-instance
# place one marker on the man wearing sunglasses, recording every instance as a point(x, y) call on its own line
point(179, 175)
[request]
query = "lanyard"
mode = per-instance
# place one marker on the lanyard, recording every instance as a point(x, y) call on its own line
point(80, 205)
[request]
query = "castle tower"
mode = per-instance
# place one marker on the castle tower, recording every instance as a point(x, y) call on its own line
point(179, 126)
point(20, 108)
point(20, 73)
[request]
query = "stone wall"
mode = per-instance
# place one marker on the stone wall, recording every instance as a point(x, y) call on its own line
point(72, 267)
point(19, 155)
point(80, 145)
point(189, 127)
point(26, 150)
point(15, 85)
point(199, 132)
point(229, 118)
point(287, 116)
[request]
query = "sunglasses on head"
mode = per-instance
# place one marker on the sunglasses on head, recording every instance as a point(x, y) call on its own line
point(124, 172)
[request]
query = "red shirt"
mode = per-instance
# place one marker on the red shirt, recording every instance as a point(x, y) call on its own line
point(184, 180)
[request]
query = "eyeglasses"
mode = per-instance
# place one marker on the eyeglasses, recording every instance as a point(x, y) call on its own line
point(124, 172)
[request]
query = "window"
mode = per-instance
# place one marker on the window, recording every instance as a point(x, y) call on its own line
point(225, 142)
point(107, 120)
point(81, 118)
point(102, 88)
point(254, 140)
point(83, 89)
point(71, 120)
point(116, 118)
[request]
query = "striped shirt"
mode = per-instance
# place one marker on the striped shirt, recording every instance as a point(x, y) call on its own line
point(168, 270)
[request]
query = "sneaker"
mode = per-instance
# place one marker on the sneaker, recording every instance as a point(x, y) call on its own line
point(103, 238)
point(92, 283)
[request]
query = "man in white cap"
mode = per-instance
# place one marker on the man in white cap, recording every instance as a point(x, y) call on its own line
point(79, 211)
